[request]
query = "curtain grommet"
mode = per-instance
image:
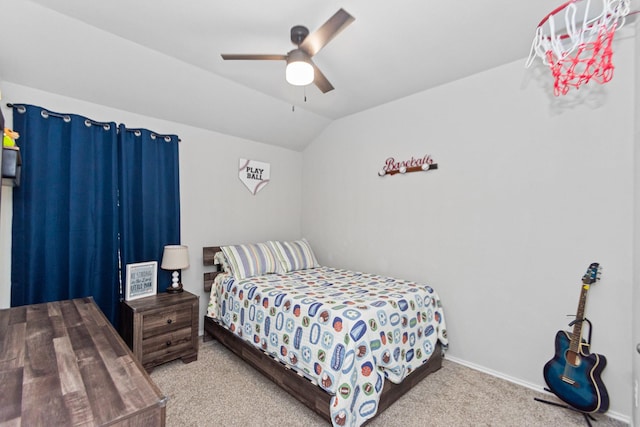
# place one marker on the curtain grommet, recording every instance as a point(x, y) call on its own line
point(44, 114)
point(66, 118)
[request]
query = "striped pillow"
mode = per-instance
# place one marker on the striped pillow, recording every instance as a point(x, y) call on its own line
point(296, 255)
point(255, 259)
point(220, 259)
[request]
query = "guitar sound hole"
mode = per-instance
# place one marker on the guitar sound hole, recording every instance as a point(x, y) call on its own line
point(573, 358)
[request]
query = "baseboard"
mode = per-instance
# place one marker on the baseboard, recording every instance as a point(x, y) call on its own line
point(536, 387)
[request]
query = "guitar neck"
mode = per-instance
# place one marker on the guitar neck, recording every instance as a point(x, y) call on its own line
point(576, 337)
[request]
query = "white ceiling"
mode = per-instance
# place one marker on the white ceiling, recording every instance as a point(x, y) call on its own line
point(161, 58)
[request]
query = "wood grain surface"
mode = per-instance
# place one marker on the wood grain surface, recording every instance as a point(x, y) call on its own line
point(63, 364)
point(161, 328)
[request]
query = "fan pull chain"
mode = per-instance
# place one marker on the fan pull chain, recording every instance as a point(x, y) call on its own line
point(304, 96)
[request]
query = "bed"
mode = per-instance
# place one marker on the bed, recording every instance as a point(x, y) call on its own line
point(346, 344)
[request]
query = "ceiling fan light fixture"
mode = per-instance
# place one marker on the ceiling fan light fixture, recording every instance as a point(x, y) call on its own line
point(299, 70)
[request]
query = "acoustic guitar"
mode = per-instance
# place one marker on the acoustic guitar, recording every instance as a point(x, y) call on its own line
point(574, 374)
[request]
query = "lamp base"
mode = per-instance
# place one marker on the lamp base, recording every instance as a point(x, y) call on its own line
point(172, 290)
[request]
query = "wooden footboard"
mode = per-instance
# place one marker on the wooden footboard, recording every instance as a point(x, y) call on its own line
point(302, 389)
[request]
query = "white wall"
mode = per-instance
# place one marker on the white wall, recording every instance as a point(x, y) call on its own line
point(530, 190)
point(636, 249)
point(5, 247)
point(5, 235)
point(216, 208)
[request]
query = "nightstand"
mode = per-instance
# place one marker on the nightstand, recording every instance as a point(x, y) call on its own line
point(161, 328)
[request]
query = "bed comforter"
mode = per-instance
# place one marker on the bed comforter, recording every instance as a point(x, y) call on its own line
point(344, 330)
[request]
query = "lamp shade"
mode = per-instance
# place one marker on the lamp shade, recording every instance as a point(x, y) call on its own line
point(299, 70)
point(175, 257)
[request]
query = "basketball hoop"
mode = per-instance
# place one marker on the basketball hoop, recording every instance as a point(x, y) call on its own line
point(581, 51)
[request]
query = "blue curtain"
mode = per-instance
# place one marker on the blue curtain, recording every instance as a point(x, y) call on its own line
point(65, 215)
point(149, 197)
point(93, 198)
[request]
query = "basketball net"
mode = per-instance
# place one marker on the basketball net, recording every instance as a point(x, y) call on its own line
point(581, 51)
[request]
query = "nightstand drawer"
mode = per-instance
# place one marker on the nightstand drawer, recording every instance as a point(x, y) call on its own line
point(166, 321)
point(160, 347)
point(161, 328)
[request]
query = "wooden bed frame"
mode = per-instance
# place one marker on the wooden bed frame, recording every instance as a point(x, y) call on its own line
point(288, 379)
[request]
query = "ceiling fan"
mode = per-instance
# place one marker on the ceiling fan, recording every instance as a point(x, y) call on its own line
point(301, 70)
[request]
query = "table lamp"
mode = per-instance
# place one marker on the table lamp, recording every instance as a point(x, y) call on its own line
point(175, 257)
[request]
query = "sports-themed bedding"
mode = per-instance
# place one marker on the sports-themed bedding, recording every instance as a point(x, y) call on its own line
point(344, 330)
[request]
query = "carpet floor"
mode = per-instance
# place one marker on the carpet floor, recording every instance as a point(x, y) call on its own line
point(219, 389)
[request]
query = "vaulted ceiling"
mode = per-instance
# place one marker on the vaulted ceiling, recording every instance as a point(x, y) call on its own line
point(161, 58)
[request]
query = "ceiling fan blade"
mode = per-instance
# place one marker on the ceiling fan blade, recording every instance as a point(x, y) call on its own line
point(323, 35)
point(320, 80)
point(253, 57)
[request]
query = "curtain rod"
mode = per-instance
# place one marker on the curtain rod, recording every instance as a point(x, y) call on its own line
point(88, 122)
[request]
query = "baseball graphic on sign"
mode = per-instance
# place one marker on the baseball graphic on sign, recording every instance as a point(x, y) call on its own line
point(253, 174)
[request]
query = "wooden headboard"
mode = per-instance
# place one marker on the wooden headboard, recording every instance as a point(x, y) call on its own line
point(208, 253)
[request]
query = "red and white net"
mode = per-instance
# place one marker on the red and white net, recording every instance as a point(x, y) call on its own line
point(581, 51)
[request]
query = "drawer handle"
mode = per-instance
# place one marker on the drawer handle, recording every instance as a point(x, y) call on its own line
point(168, 343)
point(169, 321)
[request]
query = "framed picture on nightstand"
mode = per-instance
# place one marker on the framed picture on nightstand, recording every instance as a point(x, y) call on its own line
point(142, 278)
